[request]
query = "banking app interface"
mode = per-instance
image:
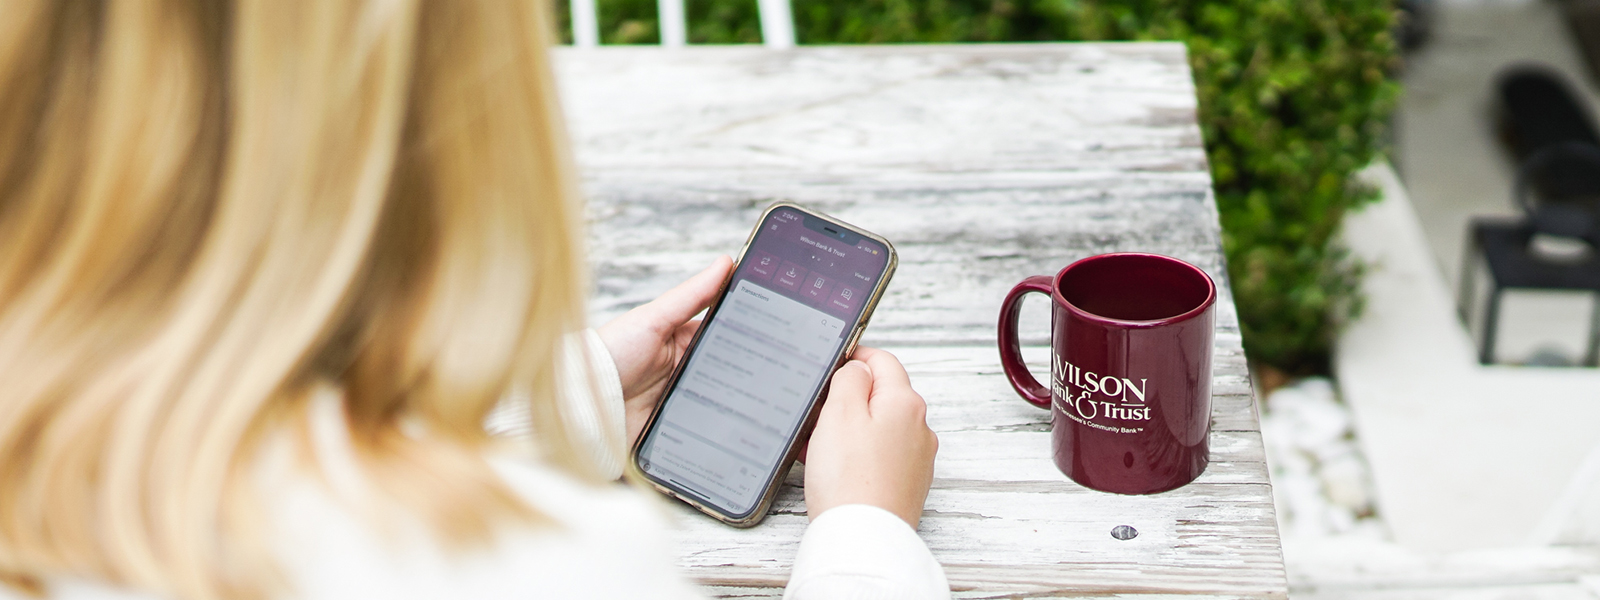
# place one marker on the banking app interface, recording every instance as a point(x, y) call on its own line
point(762, 357)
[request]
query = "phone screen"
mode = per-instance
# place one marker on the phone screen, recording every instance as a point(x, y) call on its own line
point(762, 359)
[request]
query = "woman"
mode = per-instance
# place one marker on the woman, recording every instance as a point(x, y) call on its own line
point(266, 266)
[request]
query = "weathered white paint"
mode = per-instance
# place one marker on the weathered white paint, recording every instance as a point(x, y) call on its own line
point(983, 164)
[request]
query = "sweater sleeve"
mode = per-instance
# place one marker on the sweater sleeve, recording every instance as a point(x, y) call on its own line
point(591, 403)
point(861, 552)
point(603, 421)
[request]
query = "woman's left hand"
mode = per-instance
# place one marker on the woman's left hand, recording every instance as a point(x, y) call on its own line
point(648, 341)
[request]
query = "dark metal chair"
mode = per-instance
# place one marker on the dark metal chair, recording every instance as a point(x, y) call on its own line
point(1552, 189)
point(1537, 109)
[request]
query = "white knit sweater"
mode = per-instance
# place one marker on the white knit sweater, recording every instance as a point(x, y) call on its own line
point(611, 542)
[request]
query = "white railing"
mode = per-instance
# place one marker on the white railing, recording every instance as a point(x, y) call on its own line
point(777, 23)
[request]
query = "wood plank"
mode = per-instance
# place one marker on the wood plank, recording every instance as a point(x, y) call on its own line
point(983, 165)
point(957, 260)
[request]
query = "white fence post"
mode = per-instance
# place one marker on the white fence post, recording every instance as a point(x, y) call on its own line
point(674, 26)
point(777, 23)
point(585, 24)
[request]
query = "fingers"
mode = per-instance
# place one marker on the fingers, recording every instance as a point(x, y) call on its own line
point(886, 368)
point(864, 352)
point(892, 395)
point(873, 443)
point(686, 300)
point(852, 383)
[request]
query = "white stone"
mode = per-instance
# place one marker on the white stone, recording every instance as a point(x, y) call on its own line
point(1308, 418)
point(1344, 481)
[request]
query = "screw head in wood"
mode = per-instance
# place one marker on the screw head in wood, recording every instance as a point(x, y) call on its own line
point(1124, 532)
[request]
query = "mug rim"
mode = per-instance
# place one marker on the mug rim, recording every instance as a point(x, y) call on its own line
point(1211, 292)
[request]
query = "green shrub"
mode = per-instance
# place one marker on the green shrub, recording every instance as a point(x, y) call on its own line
point(1294, 96)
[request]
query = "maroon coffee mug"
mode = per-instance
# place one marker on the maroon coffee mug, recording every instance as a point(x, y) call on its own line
point(1131, 365)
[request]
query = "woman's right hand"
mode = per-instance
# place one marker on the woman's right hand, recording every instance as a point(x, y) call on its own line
point(872, 444)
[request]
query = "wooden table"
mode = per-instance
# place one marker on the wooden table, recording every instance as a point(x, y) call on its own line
point(983, 164)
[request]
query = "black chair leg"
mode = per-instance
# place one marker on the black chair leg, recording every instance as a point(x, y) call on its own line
point(1592, 358)
point(1469, 262)
point(1491, 317)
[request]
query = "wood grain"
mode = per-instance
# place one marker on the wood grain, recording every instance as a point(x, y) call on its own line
point(983, 164)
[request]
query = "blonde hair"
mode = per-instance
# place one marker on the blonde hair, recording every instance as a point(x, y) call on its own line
point(210, 208)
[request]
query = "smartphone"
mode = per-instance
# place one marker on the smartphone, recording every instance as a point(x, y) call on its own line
point(745, 397)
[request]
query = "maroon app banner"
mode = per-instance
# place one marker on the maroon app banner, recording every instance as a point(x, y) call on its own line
point(816, 268)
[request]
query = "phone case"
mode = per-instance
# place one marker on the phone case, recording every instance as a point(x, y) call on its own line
point(771, 492)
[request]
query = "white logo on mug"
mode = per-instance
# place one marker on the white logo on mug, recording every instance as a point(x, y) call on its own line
point(1085, 395)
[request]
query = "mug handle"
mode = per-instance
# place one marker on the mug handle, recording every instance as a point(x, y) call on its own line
point(1011, 348)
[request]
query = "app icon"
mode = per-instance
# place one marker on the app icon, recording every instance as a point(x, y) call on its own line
point(843, 300)
point(790, 277)
point(817, 288)
point(762, 265)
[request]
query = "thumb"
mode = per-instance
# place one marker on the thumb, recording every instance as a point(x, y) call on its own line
point(852, 383)
point(683, 302)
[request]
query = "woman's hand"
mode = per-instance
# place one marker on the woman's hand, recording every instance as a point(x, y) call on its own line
point(872, 444)
point(647, 342)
